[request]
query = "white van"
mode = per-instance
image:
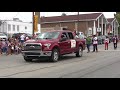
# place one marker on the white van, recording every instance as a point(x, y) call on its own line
point(81, 35)
point(3, 36)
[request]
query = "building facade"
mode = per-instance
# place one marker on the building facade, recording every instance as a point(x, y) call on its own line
point(112, 28)
point(17, 26)
point(89, 24)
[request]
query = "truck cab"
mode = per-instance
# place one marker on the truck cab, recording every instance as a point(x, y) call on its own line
point(53, 44)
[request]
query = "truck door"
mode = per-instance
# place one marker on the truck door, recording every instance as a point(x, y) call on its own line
point(72, 41)
point(64, 44)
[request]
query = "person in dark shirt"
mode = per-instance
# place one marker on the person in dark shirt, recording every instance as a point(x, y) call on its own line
point(115, 41)
point(88, 43)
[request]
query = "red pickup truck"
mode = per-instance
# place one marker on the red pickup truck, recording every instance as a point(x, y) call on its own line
point(53, 44)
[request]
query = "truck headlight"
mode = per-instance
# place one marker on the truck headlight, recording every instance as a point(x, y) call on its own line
point(24, 44)
point(47, 45)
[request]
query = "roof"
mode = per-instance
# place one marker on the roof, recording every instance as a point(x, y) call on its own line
point(15, 21)
point(110, 19)
point(59, 31)
point(82, 17)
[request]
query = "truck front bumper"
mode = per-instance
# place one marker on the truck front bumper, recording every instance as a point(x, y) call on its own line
point(36, 53)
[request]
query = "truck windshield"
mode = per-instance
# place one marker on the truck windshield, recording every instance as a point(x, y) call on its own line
point(48, 35)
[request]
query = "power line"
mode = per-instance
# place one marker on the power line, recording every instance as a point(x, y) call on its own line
point(23, 17)
point(16, 14)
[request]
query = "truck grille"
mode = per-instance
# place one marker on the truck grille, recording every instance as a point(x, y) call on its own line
point(33, 47)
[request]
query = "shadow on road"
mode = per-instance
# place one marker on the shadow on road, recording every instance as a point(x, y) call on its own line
point(46, 60)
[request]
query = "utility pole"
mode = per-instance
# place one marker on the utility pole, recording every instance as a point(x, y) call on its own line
point(78, 23)
point(38, 14)
point(36, 21)
point(33, 22)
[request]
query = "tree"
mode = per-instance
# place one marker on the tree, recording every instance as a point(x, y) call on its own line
point(117, 16)
point(63, 14)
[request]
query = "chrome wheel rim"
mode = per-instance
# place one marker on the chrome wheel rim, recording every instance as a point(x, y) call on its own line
point(80, 52)
point(55, 56)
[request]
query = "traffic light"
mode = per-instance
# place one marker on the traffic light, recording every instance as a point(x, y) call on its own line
point(35, 23)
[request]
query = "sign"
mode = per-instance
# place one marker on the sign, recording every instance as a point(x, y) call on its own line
point(35, 23)
point(73, 43)
point(98, 29)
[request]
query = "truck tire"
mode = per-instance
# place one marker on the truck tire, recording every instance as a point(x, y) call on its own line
point(55, 55)
point(80, 52)
point(27, 59)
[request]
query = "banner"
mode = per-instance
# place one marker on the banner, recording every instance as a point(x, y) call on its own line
point(35, 23)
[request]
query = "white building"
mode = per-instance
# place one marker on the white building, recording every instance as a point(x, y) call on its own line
point(17, 26)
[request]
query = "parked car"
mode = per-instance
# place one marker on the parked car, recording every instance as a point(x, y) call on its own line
point(103, 38)
point(81, 35)
point(99, 40)
point(3, 36)
point(16, 35)
point(53, 44)
point(29, 35)
point(110, 38)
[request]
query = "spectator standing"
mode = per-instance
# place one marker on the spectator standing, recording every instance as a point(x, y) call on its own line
point(88, 43)
point(95, 43)
point(106, 42)
point(115, 41)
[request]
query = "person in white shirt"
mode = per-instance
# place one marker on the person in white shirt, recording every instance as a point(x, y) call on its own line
point(22, 38)
point(95, 43)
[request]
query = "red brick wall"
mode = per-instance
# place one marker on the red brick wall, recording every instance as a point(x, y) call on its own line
point(70, 25)
point(83, 26)
point(48, 25)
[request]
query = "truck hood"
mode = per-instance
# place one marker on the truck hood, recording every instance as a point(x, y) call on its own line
point(42, 41)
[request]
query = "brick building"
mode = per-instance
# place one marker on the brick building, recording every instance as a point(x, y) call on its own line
point(94, 23)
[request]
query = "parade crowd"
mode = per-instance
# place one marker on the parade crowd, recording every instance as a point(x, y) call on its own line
point(13, 45)
point(94, 42)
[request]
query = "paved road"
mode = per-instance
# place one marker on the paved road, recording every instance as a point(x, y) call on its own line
point(104, 64)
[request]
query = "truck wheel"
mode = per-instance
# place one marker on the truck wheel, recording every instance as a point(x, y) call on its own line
point(80, 52)
point(55, 55)
point(27, 59)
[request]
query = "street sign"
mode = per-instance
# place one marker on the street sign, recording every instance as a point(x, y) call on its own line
point(35, 23)
point(98, 29)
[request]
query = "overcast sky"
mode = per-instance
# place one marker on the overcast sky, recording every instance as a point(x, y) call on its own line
point(27, 16)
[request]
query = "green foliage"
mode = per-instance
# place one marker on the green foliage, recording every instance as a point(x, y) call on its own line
point(117, 16)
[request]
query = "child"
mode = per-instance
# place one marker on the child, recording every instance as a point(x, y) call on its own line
point(106, 42)
point(9, 47)
point(4, 46)
point(16, 46)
